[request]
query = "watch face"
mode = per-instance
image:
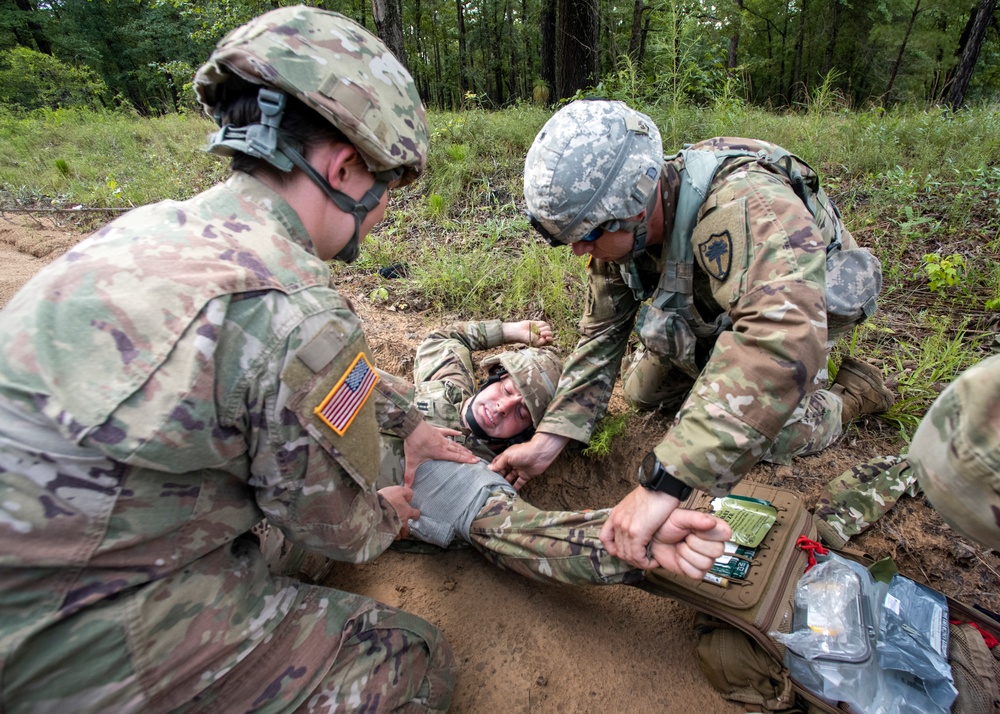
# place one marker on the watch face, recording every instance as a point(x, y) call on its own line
point(647, 470)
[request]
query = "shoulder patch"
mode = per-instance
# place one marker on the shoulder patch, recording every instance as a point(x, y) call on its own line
point(349, 394)
point(715, 254)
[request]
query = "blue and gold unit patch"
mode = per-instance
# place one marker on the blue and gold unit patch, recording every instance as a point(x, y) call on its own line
point(715, 254)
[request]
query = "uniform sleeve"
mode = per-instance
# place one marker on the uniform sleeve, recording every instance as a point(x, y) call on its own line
point(446, 355)
point(394, 405)
point(314, 484)
point(765, 366)
point(589, 373)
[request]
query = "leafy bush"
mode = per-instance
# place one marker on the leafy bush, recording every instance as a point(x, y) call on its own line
point(32, 80)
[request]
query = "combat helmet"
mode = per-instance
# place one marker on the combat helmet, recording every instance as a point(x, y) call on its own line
point(336, 68)
point(592, 167)
point(955, 453)
point(535, 372)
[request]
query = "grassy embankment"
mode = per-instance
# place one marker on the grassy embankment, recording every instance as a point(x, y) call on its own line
point(920, 188)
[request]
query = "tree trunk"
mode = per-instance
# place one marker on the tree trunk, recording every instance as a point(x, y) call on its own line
point(420, 74)
point(528, 79)
point(548, 25)
point(969, 52)
point(462, 87)
point(496, 56)
point(389, 25)
point(512, 67)
point(831, 44)
point(902, 49)
point(732, 56)
point(635, 37)
point(798, 90)
point(37, 34)
point(577, 53)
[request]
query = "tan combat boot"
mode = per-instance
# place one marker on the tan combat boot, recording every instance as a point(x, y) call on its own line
point(860, 387)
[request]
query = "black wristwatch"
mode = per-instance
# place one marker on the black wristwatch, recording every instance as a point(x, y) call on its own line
point(653, 476)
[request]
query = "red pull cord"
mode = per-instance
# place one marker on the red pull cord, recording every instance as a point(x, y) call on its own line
point(989, 639)
point(811, 547)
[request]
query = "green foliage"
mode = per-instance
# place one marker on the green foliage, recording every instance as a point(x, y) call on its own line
point(608, 429)
point(32, 80)
point(922, 369)
point(943, 272)
point(105, 158)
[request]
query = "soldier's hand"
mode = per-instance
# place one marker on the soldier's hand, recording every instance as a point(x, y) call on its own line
point(426, 443)
point(632, 523)
point(399, 498)
point(534, 333)
point(522, 462)
point(689, 542)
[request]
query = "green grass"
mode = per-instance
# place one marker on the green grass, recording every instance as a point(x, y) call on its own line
point(910, 182)
point(608, 429)
point(106, 159)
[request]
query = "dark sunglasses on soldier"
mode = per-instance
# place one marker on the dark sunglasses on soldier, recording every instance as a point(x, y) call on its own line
point(552, 240)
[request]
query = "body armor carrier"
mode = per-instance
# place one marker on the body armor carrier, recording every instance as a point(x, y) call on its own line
point(670, 326)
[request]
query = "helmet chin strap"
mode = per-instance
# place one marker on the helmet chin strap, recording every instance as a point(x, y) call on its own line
point(470, 420)
point(264, 141)
point(358, 209)
point(640, 235)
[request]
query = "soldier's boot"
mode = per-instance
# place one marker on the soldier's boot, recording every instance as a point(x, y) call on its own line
point(861, 389)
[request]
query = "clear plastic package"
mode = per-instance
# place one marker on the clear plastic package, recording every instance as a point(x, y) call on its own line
point(831, 647)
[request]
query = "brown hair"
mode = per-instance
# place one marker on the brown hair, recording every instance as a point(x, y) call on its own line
point(300, 126)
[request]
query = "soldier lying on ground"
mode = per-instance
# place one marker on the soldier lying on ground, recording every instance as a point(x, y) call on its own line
point(477, 505)
point(954, 458)
point(749, 276)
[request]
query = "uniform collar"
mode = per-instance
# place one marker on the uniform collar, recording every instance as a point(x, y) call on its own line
point(260, 194)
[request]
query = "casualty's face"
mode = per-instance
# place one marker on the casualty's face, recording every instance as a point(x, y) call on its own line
point(500, 409)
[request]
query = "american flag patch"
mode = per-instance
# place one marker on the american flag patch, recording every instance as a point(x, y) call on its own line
point(347, 397)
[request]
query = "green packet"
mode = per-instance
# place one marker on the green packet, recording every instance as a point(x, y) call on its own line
point(750, 518)
point(735, 563)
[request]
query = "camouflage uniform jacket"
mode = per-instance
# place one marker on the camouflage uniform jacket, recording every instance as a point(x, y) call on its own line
point(444, 375)
point(753, 375)
point(157, 388)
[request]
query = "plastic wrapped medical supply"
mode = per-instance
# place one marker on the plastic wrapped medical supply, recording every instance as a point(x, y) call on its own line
point(831, 647)
point(912, 646)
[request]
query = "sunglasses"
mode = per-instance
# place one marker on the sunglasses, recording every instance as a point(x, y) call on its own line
point(555, 242)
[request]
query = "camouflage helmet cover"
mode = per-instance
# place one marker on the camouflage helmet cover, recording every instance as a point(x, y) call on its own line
point(955, 453)
point(335, 67)
point(594, 162)
point(536, 374)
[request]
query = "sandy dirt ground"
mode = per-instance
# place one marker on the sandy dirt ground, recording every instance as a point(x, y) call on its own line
point(525, 647)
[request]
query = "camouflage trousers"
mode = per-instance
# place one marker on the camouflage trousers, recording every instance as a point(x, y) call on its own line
point(332, 651)
point(860, 496)
point(548, 546)
point(385, 660)
point(651, 382)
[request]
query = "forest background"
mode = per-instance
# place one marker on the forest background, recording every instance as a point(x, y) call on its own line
point(141, 54)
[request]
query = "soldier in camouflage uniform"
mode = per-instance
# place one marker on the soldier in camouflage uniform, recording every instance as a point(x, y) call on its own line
point(478, 506)
point(188, 371)
point(731, 242)
point(954, 458)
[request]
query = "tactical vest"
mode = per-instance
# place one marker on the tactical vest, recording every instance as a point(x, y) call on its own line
point(670, 324)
